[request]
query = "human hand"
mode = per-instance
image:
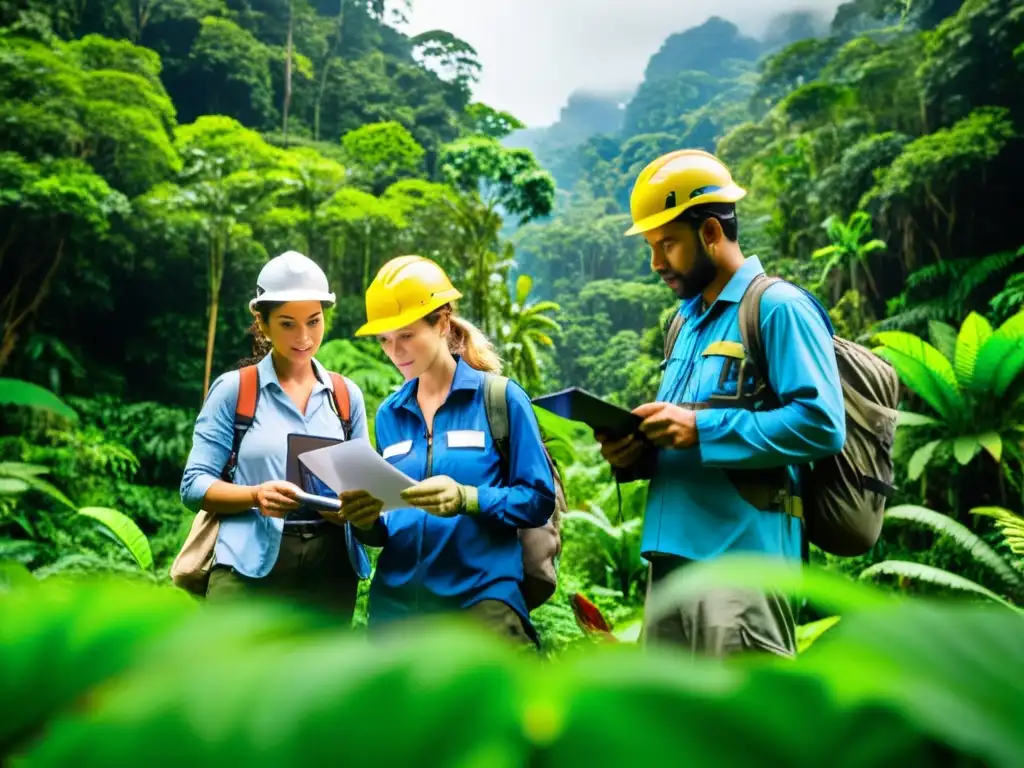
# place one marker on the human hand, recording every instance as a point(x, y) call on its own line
point(441, 496)
point(621, 453)
point(667, 425)
point(357, 507)
point(275, 498)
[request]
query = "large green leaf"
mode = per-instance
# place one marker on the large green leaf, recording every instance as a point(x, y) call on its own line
point(124, 530)
point(973, 545)
point(26, 394)
point(1001, 359)
point(974, 332)
point(920, 459)
point(924, 370)
point(895, 684)
point(943, 338)
point(910, 419)
point(966, 448)
point(993, 443)
point(808, 634)
point(931, 575)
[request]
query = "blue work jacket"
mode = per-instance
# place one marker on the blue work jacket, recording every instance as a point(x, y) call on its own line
point(693, 509)
point(430, 563)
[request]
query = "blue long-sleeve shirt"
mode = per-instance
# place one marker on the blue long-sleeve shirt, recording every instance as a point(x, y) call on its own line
point(249, 541)
point(430, 563)
point(693, 509)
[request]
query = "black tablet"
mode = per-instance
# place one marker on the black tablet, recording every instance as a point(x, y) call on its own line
point(601, 416)
point(298, 445)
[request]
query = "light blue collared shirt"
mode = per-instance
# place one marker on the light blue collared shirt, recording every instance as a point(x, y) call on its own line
point(249, 542)
point(693, 509)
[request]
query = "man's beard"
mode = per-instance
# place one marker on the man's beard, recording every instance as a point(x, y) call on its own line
point(692, 283)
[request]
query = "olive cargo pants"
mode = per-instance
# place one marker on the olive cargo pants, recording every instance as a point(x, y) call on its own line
point(722, 621)
point(312, 569)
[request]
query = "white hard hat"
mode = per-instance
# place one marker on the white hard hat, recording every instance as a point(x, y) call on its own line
point(292, 277)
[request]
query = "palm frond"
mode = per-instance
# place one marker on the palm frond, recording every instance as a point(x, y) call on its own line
point(1009, 524)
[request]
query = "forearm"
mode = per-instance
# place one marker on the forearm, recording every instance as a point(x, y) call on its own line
point(229, 499)
point(516, 507)
point(797, 433)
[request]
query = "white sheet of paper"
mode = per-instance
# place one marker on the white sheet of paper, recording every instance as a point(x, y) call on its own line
point(355, 466)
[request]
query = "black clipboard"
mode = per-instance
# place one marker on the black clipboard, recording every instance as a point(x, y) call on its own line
point(298, 444)
point(577, 404)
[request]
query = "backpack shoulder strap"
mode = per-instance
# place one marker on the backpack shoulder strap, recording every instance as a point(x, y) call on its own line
point(496, 406)
point(245, 413)
point(750, 323)
point(675, 324)
point(341, 403)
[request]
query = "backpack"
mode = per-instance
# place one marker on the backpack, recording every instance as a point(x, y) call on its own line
point(541, 546)
point(191, 568)
point(843, 496)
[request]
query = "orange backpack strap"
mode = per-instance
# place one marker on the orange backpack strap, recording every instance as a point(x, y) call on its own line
point(341, 403)
point(245, 413)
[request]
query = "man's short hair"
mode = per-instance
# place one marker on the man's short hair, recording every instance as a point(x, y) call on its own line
point(724, 212)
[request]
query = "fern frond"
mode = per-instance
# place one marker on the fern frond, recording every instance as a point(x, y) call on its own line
point(974, 545)
point(1008, 523)
point(931, 575)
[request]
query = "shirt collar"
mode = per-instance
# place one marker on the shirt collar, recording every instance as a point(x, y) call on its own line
point(268, 375)
point(737, 285)
point(466, 378)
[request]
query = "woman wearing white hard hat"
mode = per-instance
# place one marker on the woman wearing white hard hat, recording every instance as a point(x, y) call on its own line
point(265, 542)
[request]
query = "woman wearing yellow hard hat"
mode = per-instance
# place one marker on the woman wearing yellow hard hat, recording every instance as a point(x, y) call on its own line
point(457, 545)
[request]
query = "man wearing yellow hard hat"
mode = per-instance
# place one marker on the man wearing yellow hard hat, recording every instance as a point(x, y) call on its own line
point(720, 442)
point(458, 545)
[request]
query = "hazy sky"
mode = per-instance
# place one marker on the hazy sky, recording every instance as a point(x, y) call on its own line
point(536, 52)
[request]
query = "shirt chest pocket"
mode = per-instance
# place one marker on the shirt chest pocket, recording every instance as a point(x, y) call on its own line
point(466, 455)
point(404, 456)
point(725, 372)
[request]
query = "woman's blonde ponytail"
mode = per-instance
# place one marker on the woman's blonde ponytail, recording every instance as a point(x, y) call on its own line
point(469, 342)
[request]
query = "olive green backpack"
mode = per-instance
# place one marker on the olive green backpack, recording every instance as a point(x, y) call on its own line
point(843, 497)
point(541, 546)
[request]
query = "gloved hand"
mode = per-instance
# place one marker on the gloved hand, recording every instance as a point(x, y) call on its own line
point(442, 496)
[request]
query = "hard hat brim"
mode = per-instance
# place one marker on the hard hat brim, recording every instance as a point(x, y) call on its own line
point(729, 194)
point(410, 316)
point(328, 299)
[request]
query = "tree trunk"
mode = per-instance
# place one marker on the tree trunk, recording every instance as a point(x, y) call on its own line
point(288, 73)
point(12, 321)
point(322, 86)
point(218, 249)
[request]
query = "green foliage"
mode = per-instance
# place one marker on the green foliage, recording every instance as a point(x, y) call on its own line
point(898, 674)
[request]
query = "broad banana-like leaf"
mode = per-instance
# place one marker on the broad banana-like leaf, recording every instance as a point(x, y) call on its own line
point(26, 394)
point(931, 575)
point(974, 545)
point(1009, 524)
point(966, 448)
point(920, 459)
point(124, 530)
point(974, 332)
point(924, 370)
point(943, 338)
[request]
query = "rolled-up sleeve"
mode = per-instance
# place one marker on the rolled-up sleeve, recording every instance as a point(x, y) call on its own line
point(211, 441)
point(529, 499)
point(802, 371)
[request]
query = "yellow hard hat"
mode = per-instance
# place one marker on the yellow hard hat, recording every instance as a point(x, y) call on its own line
point(405, 290)
point(678, 181)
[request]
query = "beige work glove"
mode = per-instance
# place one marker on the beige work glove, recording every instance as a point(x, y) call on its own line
point(443, 497)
